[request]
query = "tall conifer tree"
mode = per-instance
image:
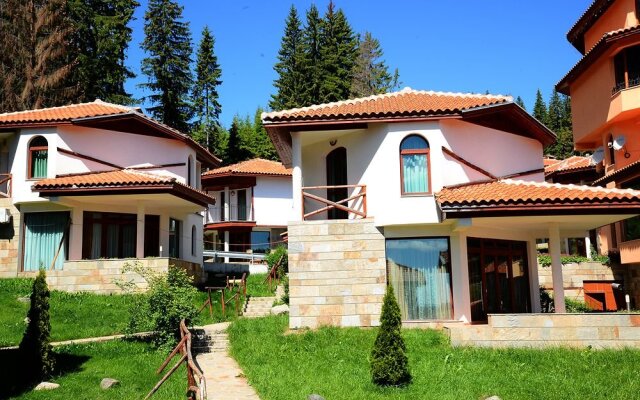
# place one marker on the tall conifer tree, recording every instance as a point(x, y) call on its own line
point(206, 106)
point(371, 74)
point(520, 102)
point(37, 60)
point(338, 50)
point(555, 113)
point(167, 65)
point(235, 150)
point(540, 109)
point(101, 38)
point(290, 66)
point(312, 58)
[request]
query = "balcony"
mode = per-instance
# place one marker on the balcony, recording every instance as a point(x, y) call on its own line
point(229, 215)
point(342, 202)
point(5, 185)
point(629, 251)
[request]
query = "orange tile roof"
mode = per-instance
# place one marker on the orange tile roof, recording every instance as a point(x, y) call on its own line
point(124, 177)
point(405, 103)
point(569, 164)
point(509, 193)
point(64, 113)
point(549, 161)
point(630, 169)
point(118, 180)
point(256, 166)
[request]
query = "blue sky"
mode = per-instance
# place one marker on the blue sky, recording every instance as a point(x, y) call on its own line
point(504, 46)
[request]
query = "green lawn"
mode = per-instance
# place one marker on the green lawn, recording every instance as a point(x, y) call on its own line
point(333, 362)
point(257, 287)
point(80, 368)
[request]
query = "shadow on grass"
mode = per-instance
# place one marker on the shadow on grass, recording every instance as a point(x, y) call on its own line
point(15, 378)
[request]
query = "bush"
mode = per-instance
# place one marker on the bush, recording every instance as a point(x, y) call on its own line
point(169, 299)
point(389, 362)
point(545, 260)
point(275, 255)
point(285, 283)
point(35, 347)
point(576, 306)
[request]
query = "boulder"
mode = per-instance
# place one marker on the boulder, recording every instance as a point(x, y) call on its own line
point(315, 397)
point(281, 309)
point(24, 299)
point(46, 386)
point(108, 383)
point(493, 398)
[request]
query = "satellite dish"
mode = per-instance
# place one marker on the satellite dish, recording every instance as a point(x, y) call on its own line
point(598, 155)
point(618, 143)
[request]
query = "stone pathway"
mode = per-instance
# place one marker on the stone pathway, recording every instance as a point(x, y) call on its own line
point(88, 340)
point(225, 380)
point(258, 307)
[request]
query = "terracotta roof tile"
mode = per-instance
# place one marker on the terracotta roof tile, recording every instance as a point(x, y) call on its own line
point(256, 166)
point(407, 102)
point(569, 164)
point(609, 177)
point(64, 113)
point(118, 178)
point(520, 193)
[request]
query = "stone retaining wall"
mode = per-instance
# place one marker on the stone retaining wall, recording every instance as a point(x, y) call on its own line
point(99, 276)
point(615, 330)
point(9, 233)
point(573, 276)
point(337, 273)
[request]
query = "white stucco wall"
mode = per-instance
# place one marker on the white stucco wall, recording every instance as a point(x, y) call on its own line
point(122, 149)
point(272, 201)
point(373, 160)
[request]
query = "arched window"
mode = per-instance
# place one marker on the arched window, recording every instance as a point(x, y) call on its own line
point(38, 155)
point(414, 165)
point(612, 151)
point(189, 171)
point(193, 240)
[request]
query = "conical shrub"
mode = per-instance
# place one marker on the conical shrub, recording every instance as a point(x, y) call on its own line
point(35, 349)
point(389, 362)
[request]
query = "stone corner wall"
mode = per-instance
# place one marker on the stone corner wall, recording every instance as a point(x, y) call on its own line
point(574, 275)
point(337, 273)
point(9, 235)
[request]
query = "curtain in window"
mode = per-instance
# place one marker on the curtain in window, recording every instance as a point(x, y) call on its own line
point(414, 173)
point(96, 241)
point(129, 241)
point(419, 273)
point(39, 164)
point(112, 240)
point(43, 233)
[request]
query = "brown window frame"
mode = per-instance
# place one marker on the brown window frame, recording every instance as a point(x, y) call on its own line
point(426, 152)
point(31, 150)
point(106, 219)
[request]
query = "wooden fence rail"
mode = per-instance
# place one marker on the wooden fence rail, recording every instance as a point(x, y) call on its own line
point(196, 386)
point(355, 204)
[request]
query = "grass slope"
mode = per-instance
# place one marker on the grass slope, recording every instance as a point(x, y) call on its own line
point(334, 363)
point(80, 368)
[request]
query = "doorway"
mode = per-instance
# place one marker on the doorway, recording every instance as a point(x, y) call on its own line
point(498, 277)
point(337, 176)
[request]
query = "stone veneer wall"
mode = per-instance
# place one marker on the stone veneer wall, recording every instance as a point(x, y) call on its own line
point(337, 273)
point(99, 276)
point(603, 330)
point(573, 276)
point(9, 234)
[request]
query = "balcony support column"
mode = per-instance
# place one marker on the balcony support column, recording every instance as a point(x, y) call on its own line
point(556, 268)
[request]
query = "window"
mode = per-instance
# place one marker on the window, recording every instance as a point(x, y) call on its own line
point(414, 165)
point(626, 65)
point(152, 236)
point(44, 237)
point(38, 154)
point(612, 151)
point(420, 273)
point(174, 238)
point(193, 240)
point(260, 241)
point(108, 235)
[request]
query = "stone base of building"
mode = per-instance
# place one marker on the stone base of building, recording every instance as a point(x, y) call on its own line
point(9, 235)
point(337, 273)
point(100, 276)
point(548, 330)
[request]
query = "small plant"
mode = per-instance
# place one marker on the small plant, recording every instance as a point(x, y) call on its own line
point(275, 255)
point(545, 260)
point(35, 347)
point(576, 306)
point(389, 362)
point(285, 284)
point(169, 299)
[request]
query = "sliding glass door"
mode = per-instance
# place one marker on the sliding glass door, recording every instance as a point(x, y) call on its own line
point(45, 240)
point(420, 272)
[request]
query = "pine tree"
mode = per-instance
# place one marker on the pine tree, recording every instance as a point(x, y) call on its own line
point(35, 347)
point(235, 150)
point(168, 45)
point(338, 50)
point(262, 144)
point(311, 58)
point(389, 363)
point(290, 66)
point(37, 60)
point(540, 109)
point(101, 38)
point(520, 102)
point(205, 92)
point(559, 121)
point(370, 74)
point(555, 112)
point(566, 111)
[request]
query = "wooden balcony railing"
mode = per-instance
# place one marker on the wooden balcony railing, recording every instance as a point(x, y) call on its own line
point(354, 205)
point(5, 185)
